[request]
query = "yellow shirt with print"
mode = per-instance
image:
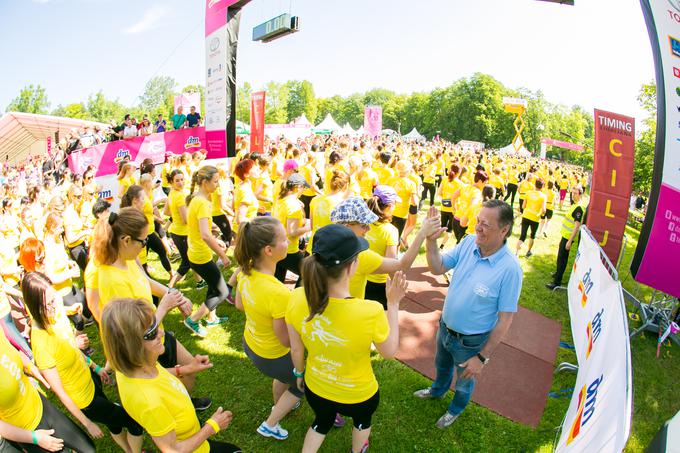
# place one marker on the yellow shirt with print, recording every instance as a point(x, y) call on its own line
point(20, 403)
point(52, 351)
point(448, 189)
point(198, 251)
point(379, 237)
point(338, 344)
point(264, 299)
point(290, 208)
point(369, 261)
point(535, 200)
point(160, 405)
point(177, 199)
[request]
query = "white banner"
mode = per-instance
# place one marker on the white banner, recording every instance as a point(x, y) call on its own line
point(188, 100)
point(599, 414)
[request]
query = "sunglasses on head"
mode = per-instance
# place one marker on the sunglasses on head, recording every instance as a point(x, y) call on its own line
point(141, 241)
point(152, 332)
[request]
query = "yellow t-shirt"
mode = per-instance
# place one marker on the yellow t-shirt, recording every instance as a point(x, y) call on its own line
point(385, 174)
point(524, 187)
point(468, 196)
point(338, 343)
point(290, 208)
point(404, 187)
point(161, 405)
point(115, 283)
point(176, 199)
point(367, 182)
point(243, 195)
point(147, 209)
point(56, 262)
point(125, 183)
point(73, 224)
point(534, 208)
point(550, 198)
point(165, 171)
point(264, 299)
point(471, 213)
point(320, 209)
point(198, 251)
point(379, 237)
point(52, 351)
point(310, 176)
point(216, 201)
point(20, 403)
point(429, 173)
point(369, 261)
point(448, 189)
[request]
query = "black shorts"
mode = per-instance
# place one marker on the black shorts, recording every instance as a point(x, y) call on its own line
point(399, 223)
point(413, 209)
point(447, 220)
point(325, 411)
point(548, 214)
point(526, 224)
point(280, 368)
point(169, 357)
point(377, 292)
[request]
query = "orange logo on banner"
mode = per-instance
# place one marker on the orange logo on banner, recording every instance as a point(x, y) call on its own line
point(576, 426)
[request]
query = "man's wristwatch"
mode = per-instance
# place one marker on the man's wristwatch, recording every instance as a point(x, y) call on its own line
point(483, 359)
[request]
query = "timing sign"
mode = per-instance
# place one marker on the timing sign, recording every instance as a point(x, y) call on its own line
point(277, 27)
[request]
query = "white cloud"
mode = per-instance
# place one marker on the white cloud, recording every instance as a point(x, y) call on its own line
point(149, 20)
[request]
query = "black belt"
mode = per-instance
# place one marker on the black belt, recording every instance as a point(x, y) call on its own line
point(463, 335)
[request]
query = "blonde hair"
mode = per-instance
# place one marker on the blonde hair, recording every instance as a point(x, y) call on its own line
point(124, 322)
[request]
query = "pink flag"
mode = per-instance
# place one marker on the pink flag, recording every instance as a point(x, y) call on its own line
point(373, 120)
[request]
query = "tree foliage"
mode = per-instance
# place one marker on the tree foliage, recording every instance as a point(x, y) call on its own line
point(31, 99)
point(644, 145)
point(159, 96)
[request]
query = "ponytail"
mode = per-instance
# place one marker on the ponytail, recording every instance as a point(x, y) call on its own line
point(378, 208)
point(128, 222)
point(130, 195)
point(315, 278)
point(252, 237)
point(204, 173)
point(188, 198)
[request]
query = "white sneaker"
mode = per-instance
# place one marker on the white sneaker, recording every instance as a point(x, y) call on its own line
point(276, 432)
point(446, 420)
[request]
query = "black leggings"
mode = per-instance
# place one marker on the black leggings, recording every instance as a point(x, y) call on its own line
point(222, 447)
point(217, 288)
point(102, 410)
point(512, 191)
point(325, 410)
point(291, 263)
point(182, 248)
point(79, 255)
point(526, 224)
point(154, 243)
point(225, 227)
point(399, 223)
point(458, 231)
point(74, 437)
point(376, 292)
point(428, 187)
point(77, 296)
point(307, 202)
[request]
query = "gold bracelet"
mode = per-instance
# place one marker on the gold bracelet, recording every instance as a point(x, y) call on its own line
point(213, 424)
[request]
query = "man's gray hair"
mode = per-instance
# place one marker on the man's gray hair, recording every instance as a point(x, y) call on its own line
point(506, 216)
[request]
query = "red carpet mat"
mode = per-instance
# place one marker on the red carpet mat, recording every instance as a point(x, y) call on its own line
point(516, 382)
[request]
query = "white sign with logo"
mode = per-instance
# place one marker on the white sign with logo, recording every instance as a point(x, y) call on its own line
point(600, 410)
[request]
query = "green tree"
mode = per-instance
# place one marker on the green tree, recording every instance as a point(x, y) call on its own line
point(31, 99)
point(301, 99)
point(276, 103)
point(200, 89)
point(76, 110)
point(645, 143)
point(243, 102)
point(104, 110)
point(330, 105)
point(158, 97)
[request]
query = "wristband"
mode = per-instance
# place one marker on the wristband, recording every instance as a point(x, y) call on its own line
point(213, 424)
point(88, 360)
point(298, 374)
point(97, 369)
point(35, 437)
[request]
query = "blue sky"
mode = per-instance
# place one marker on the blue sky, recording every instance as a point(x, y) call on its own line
point(595, 54)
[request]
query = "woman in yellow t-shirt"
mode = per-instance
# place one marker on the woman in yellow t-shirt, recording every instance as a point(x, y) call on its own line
point(534, 208)
point(117, 242)
point(73, 377)
point(448, 187)
point(264, 188)
point(290, 212)
point(550, 195)
point(154, 397)
point(246, 203)
point(469, 220)
point(75, 231)
point(407, 191)
point(261, 244)
point(125, 178)
point(202, 244)
point(322, 205)
point(27, 418)
point(221, 204)
point(337, 331)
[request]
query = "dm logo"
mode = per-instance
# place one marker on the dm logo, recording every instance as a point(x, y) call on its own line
point(584, 287)
point(675, 46)
point(586, 408)
point(192, 142)
point(593, 330)
point(121, 155)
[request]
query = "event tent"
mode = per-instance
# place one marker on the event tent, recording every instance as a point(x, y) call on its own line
point(510, 149)
point(414, 135)
point(301, 121)
point(347, 130)
point(24, 134)
point(389, 132)
point(327, 126)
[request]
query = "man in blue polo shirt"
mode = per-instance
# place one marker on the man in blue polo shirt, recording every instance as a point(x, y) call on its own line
point(480, 303)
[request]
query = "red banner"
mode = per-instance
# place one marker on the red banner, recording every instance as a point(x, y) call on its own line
point(257, 121)
point(561, 144)
point(612, 180)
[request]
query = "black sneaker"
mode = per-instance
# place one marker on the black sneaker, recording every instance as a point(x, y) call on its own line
point(201, 404)
point(529, 254)
point(551, 286)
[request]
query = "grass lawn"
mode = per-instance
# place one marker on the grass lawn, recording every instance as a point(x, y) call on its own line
point(403, 423)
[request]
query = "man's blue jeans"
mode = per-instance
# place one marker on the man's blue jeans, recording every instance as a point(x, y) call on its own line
point(451, 352)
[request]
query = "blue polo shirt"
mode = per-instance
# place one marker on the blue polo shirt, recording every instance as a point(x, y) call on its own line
point(480, 287)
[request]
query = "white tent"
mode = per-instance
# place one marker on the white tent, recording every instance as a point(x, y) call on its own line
point(510, 149)
point(24, 134)
point(301, 121)
point(347, 130)
point(328, 124)
point(360, 131)
point(414, 135)
point(389, 132)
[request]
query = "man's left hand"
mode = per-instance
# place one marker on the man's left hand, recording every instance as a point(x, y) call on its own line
point(473, 367)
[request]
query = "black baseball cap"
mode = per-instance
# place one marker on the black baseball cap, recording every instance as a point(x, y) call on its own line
point(336, 244)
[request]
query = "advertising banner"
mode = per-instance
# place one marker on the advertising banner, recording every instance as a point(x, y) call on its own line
point(600, 411)
point(561, 144)
point(257, 101)
point(612, 180)
point(186, 100)
point(373, 120)
point(656, 261)
point(105, 157)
